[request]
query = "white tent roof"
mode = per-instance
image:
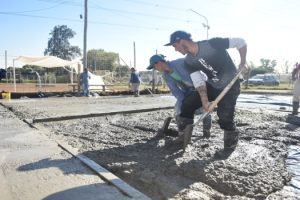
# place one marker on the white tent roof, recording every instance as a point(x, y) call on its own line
point(47, 61)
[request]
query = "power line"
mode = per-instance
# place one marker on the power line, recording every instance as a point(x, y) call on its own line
point(95, 22)
point(142, 14)
point(37, 10)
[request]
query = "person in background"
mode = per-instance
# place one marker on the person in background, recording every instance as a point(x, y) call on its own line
point(180, 84)
point(84, 81)
point(134, 82)
point(296, 90)
point(211, 69)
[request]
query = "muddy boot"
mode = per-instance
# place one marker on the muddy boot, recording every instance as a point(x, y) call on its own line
point(185, 128)
point(136, 93)
point(231, 139)
point(188, 131)
point(295, 108)
point(166, 130)
point(207, 126)
point(162, 131)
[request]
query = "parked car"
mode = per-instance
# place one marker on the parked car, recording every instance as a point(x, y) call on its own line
point(264, 79)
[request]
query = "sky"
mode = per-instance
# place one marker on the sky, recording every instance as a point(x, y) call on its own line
point(270, 27)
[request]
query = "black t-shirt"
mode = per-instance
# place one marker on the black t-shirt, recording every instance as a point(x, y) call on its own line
point(214, 60)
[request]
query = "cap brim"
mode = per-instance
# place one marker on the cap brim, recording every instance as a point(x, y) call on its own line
point(169, 44)
point(150, 67)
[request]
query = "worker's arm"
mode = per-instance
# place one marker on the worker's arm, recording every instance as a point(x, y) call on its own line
point(199, 80)
point(241, 46)
point(204, 99)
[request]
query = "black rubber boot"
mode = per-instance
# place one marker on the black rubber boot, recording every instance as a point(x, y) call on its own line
point(231, 139)
point(185, 129)
point(295, 108)
point(182, 122)
point(207, 121)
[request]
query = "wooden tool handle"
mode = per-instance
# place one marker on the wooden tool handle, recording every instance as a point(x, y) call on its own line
point(224, 92)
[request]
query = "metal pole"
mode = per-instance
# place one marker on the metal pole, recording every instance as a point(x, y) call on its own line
point(6, 66)
point(153, 77)
point(15, 85)
point(85, 34)
point(204, 25)
point(134, 58)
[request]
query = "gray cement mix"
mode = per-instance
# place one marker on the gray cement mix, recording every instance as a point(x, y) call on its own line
point(34, 167)
point(128, 145)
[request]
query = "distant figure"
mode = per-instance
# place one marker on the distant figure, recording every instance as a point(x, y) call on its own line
point(296, 90)
point(2, 74)
point(135, 82)
point(84, 82)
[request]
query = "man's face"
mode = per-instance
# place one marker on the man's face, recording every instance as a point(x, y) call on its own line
point(158, 66)
point(162, 66)
point(178, 46)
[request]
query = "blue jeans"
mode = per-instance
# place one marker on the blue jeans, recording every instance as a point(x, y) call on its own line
point(225, 110)
point(86, 90)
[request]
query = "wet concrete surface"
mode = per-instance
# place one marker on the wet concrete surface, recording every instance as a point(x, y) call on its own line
point(33, 167)
point(128, 145)
point(275, 102)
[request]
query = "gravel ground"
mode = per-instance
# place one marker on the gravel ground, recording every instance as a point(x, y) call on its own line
point(129, 146)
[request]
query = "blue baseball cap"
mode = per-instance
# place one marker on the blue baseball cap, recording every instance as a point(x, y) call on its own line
point(154, 59)
point(178, 35)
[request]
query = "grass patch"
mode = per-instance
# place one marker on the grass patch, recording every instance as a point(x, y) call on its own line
point(281, 86)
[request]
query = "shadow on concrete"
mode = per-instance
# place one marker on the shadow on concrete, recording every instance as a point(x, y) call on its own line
point(87, 192)
point(67, 166)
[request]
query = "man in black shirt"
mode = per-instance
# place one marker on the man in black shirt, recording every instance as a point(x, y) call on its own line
point(211, 58)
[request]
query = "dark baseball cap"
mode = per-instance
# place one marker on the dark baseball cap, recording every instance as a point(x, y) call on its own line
point(178, 35)
point(154, 59)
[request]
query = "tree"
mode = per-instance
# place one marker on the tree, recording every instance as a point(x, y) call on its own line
point(59, 45)
point(102, 60)
point(285, 67)
point(266, 66)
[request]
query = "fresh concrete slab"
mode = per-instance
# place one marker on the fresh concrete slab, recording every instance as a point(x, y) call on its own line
point(35, 167)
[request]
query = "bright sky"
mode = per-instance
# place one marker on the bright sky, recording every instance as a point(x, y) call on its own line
point(270, 27)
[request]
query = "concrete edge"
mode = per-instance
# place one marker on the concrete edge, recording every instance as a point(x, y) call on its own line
point(122, 186)
point(103, 173)
point(60, 118)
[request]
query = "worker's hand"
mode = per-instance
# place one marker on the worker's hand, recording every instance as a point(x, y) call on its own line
point(205, 106)
point(244, 68)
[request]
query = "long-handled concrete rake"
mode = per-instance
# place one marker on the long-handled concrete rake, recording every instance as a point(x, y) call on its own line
point(188, 134)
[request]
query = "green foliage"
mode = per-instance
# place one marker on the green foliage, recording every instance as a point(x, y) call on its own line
point(258, 70)
point(281, 86)
point(100, 60)
point(29, 73)
point(122, 70)
point(29, 69)
point(267, 66)
point(62, 79)
point(59, 45)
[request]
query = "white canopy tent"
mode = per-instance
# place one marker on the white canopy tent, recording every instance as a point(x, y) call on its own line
point(44, 61)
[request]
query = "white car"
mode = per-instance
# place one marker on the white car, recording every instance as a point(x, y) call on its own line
point(264, 79)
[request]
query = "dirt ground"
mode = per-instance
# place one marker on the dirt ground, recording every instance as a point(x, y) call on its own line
point(128, 146)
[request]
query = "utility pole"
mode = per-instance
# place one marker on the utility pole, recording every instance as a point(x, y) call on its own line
point(134, 58)
point(6, 66)
point(85, 33)
point(15, 84)
point(153, 77)
point(204, 25)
